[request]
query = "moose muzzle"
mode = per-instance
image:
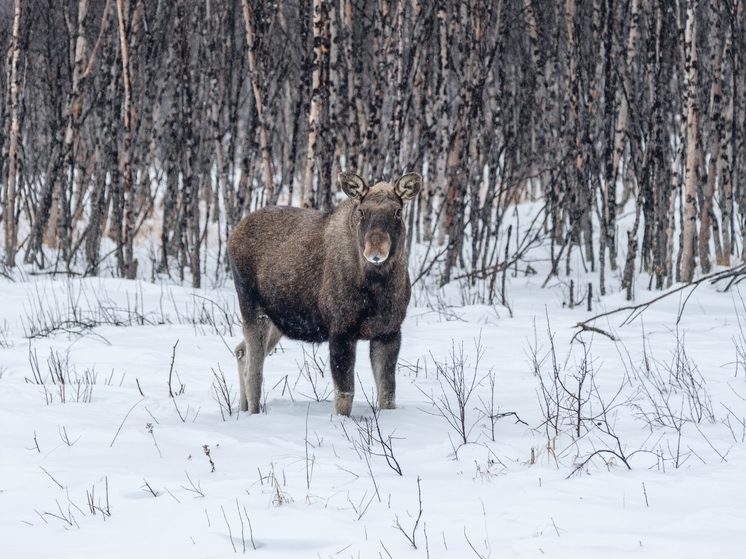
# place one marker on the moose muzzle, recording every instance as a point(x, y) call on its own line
point(377, 247)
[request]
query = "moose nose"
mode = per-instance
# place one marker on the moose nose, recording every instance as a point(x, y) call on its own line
point(377, 247)
point(376, 259)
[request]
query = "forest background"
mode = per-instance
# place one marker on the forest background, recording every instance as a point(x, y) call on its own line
point(175, 118)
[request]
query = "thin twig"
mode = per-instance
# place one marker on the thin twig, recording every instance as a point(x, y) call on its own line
point(125, 419)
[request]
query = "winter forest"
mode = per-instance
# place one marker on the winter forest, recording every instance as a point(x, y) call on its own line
point(571, 380)
point(176, 118)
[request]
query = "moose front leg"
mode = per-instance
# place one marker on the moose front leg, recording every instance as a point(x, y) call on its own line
point(342, 361)
point(383, 355)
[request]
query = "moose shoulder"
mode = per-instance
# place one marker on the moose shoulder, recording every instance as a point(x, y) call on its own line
point(338, 276)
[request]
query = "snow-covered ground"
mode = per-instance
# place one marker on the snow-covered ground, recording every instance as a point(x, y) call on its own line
point(142, 459)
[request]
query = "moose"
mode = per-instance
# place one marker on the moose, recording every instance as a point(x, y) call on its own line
point(316, 276)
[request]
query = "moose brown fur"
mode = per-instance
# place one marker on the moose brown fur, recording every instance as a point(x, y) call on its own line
point(338, 276)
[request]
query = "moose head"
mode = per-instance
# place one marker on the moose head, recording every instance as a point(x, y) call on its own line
point(377, 215)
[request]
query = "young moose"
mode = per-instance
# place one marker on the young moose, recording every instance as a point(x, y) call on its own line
point(338, 276)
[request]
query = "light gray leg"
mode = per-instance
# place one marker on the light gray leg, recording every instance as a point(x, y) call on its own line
point(273, 338)
point(261, 337)
point(259, 340)
point(240, 353)
point(383, 355)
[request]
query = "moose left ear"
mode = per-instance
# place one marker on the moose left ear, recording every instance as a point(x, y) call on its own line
point(353, 185)
point(408, 186)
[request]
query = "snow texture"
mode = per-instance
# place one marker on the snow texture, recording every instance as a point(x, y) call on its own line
point(130, 465)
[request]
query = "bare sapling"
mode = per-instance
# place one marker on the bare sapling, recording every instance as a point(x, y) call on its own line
point(412, 537)
point(371, 439)
point(4, 329)
point(182, 387)
point(313, 370)
point(671, 395)
point(606, 443)
point(574, 405)
point(61, 380)
point(550, 392)
point(223, 394)
point(192, 487)
point(279, 495)
point(491, 411)
point(457, 383)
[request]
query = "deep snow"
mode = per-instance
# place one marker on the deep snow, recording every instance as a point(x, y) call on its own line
point(76, 477)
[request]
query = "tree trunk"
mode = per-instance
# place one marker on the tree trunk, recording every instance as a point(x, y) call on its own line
point(270, 195)
point(9, 211)
point(125, 162)
point(692, 146)
point(320, 11)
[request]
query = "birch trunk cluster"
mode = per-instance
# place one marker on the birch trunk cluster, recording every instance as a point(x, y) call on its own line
point(140, 129)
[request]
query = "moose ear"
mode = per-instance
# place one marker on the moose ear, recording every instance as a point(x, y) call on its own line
point(408, 186)
point(353, 185)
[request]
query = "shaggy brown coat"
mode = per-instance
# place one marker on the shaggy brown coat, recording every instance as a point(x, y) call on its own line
point(338, 276)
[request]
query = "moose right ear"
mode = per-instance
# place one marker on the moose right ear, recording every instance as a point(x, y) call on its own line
point(353, 185)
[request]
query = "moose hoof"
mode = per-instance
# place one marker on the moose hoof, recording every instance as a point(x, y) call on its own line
point(343, 402)
point(387, 404)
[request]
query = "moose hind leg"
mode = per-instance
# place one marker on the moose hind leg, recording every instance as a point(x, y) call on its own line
point(342, 361)
point(273, 338)
point(240, 353)
point(383, 355)
point(258, 337)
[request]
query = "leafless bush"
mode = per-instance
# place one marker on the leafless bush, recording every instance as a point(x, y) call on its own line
point(550, 391)
point(95, 506)
point(61, 380)
point(674, 393)
point(671, 395)
point(491, 411)
point(279, 495)
point(220, 318)
point(371, 439)
point(735, 422)
point(4, 329)
point(573, 405)
point(82, 308)
point(457, 385)
point(313, 370)
point(67, 515)
point(192, 487)
point(606, 443)
point(223, 394)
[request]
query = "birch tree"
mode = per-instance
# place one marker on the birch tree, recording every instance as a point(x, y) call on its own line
point(693, 156)
point(10, 194)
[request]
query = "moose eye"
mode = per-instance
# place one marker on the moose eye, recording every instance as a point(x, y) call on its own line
point(398, 212)
point(360, 213)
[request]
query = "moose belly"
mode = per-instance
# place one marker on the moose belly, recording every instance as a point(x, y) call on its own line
point(298, 324)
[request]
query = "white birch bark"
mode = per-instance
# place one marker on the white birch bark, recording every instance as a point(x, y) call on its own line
point(692, 147)
point(258, 102)
point(9, 211)
point(315, 112)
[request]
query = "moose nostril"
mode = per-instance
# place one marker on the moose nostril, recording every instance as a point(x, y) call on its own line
point(376, 259)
